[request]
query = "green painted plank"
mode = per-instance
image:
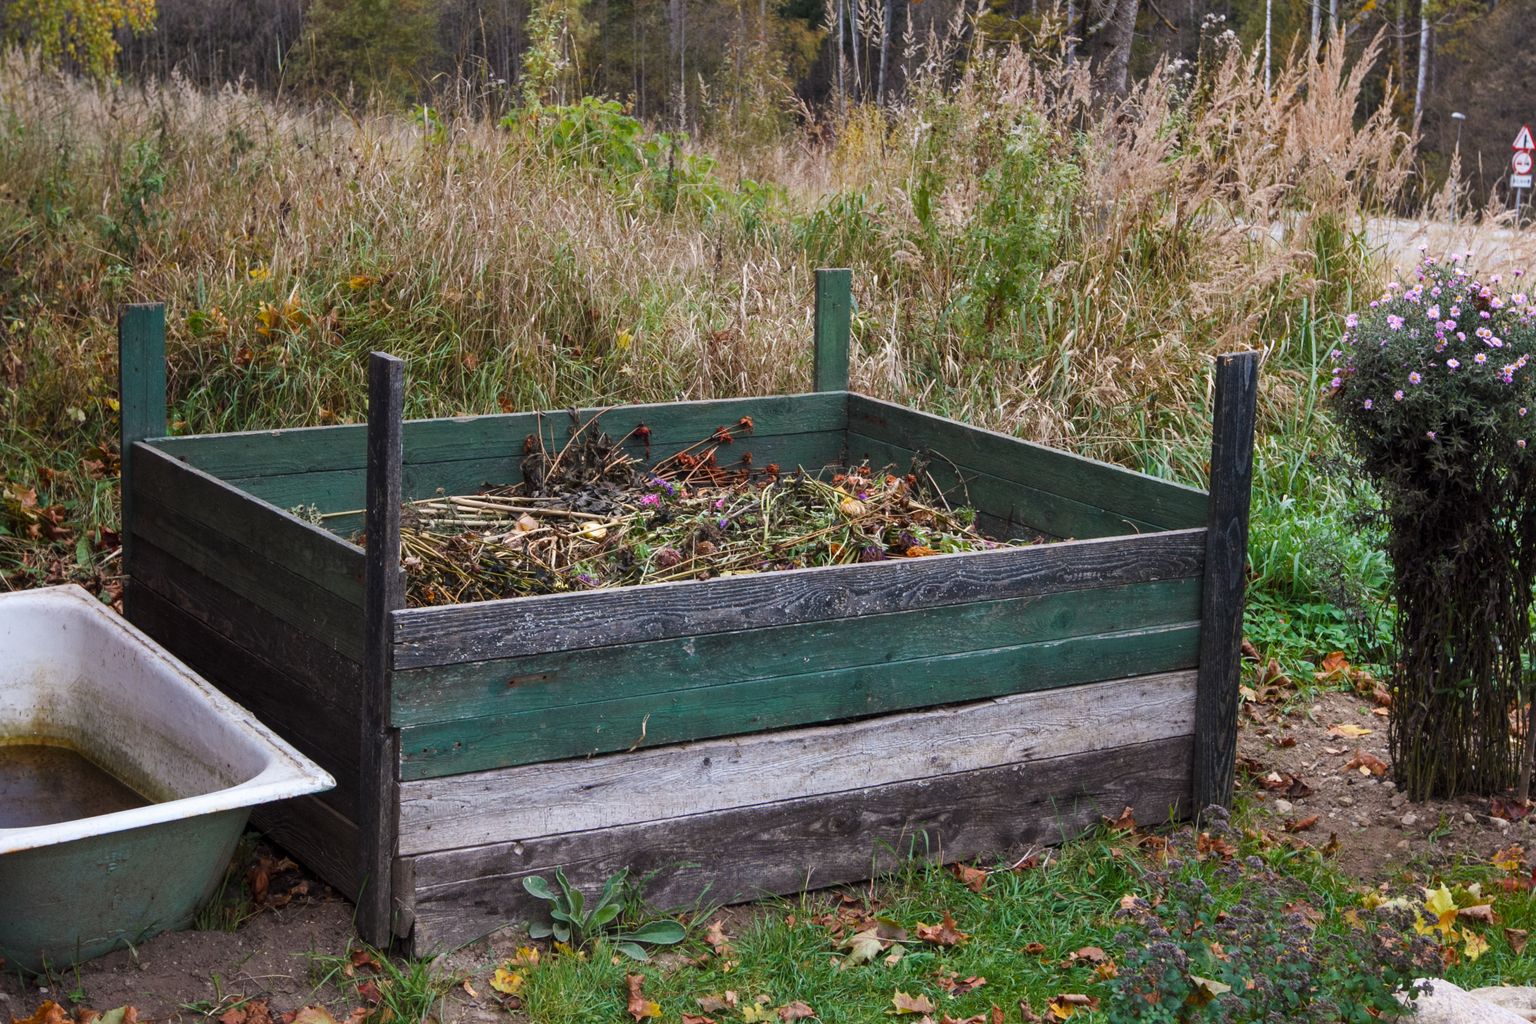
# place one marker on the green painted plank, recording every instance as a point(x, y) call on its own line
point(306, 550)
point(757, 705)
point(321, 449)
point(1007, 507)
point(562, 679)
point(248, 573)
point(1099, 484)
point(834, 312)
point(140, 390)
point(342, 490)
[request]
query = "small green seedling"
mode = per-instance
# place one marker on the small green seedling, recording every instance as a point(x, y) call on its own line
point(574, 921)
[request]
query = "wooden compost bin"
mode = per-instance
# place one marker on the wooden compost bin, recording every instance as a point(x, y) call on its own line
point(739, 736)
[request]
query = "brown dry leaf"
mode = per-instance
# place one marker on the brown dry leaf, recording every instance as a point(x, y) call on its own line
point(975, 1018)
point(1509, 810)
point(1088, 954)
point(726, 1000)
point(954, 985)
point(49, 1012)
point(1332, 846)
point(1035, 948)
point(942, 934)
point(1367, 764)
point(1207, 845)
point(310, 1015)
point(1125, 823)
point(905, 1004)
point(1026, 1013)
point(369, 992)
point(795, 1011)
point(698, 1018)
point(639, 1007)
point(1065, 1005)
point(1483, 912)
point(974, 879)
point(1348, 731)
point(1516, 937)
point(717, 939)
point(1301, 824)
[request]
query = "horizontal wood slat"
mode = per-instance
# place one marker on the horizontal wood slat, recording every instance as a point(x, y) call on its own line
point(668, 782)
point(450, 692)
point(792, 845)
point(322, 449)
point(315, 715)
point(305, 606)
point(756, 705)
point(534, 625)
point(304, 549)
point(1006, 508)
point(1112, 488)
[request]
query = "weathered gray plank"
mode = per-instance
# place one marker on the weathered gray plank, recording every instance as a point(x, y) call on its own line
point(1113, 488)
point(384, 593)
point(317, 836)
point(316, 719)
point(248, 572)
point(306, 550)
point(532, 625)
point(694, 778)
point(736, 709)
point(1226, 573)
point(564, 678)
point(318, 449)
point(800, 844)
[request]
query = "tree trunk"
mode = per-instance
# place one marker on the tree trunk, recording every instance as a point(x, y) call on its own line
point(1317, 27)
point(837, 36)
point(1418, 91)
point(888, 16)
point(1333, 17)
point(1109, 28)
point(1400, 29)
point(854, 49)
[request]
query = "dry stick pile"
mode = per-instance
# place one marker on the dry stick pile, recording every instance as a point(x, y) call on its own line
point(592, 515)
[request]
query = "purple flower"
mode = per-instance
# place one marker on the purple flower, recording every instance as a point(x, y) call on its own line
point(1414, 378)
point(1453, 363)
point(650, 500)
point(1520, 443)
point(1368, 403)
point(1433, 312)
point(1397, 396)
point(1429, 434)
point(1394, 322)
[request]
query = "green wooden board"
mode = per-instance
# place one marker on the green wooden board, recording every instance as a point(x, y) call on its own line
point(567, 678)
point(1007, 508)
point(1112, 488)
point(323, 449)
point(756, 705)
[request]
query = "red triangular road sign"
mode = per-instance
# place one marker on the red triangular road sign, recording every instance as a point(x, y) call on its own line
point(1524, 139)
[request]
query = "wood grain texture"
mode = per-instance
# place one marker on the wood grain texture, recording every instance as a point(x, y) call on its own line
point(1226, 572)
point(301, 548)
point(317, 836)
point(303, 605)
point(384, 593)
point(694, 778)
point(1112, 488)
point(834, 316)
point(1005, 508)
point(789, 846)
point(737, 709)
point(447, 693)
point(534, 625)
point(322, 449)
point(318, 721)
point(141, 396)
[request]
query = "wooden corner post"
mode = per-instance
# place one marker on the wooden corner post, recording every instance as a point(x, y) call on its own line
point(1226, 567)
point(140, 394)
point(383, 594)
point(834, 313)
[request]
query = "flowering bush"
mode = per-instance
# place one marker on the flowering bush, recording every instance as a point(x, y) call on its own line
point(1435, 386)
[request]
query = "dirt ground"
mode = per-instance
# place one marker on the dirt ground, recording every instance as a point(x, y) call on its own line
point(1312, 771)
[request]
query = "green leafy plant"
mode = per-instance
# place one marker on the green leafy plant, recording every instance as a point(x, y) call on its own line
point(577, 921)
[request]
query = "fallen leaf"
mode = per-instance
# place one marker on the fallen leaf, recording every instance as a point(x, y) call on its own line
point(698, 1018)
point(1367, 764)
point(1348, 730)
point(1026, 1013)
point(311, 1015)
point(1088, 954)
point(368, 992)
point(911, 1004)
point(1516, 937)
point(1301, 824)
point(49, 1012)
point(862, 947)
point(1482, 912)
point(469, 989)
point(954, 985)
point(1206, 990)
point(507, 982)
point(942, 934)
point(974, 879)
point(1509, 810)
point(726, 1000)
point(640, 1007)
point(1125, 823)
point(795, 1011)
point(1035, 948)
point(1474, 946)
point(717, 939)
point(1065, 1005)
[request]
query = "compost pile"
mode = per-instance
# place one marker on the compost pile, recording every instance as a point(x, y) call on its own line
point(591, 515)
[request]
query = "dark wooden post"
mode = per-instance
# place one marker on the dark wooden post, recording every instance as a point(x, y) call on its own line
point(383, 593)
point(1226, 567)
point(834, 311)
point(140, 396)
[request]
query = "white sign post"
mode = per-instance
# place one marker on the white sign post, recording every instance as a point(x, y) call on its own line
point(1520, 165)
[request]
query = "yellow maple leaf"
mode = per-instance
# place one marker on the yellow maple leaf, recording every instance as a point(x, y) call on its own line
point(357, 282)
point(508, 982)
point(1475, 945)
point(260, 272)
point(1440, 903)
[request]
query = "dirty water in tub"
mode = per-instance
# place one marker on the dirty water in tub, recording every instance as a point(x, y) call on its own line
point(46, 783)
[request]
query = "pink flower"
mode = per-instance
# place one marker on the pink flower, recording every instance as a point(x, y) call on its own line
point(1414, 378)
point(1453, 363)
point(1394, 323)
point(1397, 396)
point(1368, 403)
point(1480, 358)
